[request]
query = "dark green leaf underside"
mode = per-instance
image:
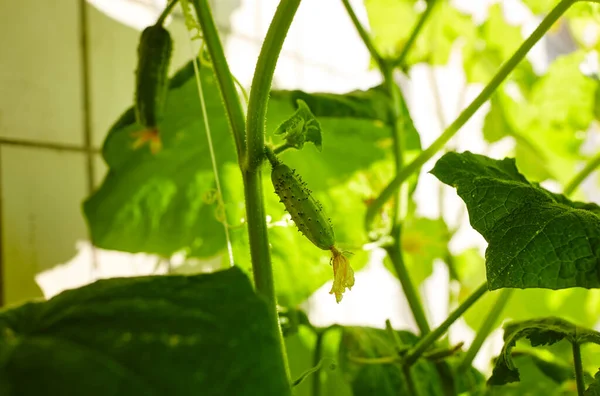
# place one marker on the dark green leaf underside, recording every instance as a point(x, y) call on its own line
point(543, 331)
point(173, 335)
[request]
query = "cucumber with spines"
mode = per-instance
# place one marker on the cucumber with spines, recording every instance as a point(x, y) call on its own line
point(305, 210)
point(310, 218)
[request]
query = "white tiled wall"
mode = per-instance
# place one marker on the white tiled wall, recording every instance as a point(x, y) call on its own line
point(42, 107)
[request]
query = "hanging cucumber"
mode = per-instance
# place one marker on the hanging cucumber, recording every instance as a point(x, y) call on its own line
point(311, 220)
point(151, 83)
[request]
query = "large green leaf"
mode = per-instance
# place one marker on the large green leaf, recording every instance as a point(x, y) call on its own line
point(165, 203)
point(544, 331)
point(157, 203)
point(536, 238)
point(392, 21)
point(177, 335)
point(388, 379)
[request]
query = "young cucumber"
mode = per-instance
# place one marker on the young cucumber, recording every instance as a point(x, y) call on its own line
point(154, 55)
point(310, 219)
point(305, 210)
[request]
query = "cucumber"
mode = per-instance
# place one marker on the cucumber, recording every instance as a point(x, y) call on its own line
point(305, 210)
point(151, 83)
point(310, 219)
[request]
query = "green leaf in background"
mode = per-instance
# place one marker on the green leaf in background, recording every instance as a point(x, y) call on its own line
point(167, 203)
point(536, 379)
point(301, 127)
point(392, 21)
point(388, 379)
point(493, 43)
point(577, 305)
point(536, 238)
point(594, 388)
point(176, 335)
point(550, 121)
point(423, 241)
point(158, 203)
point(540, 6)
point(300, 350)
point(543, 331)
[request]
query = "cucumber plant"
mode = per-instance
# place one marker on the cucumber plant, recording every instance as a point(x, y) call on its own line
point(242, 330)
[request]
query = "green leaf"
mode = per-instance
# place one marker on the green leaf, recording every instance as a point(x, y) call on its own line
point(578, 305)
point(423, 241)
point(158, 203)
point(493, 43)
point(544, 331)
point(301, 127)
point(594, 388)
point(167, 203)
point(392, 21)
point(174, 335)
point(536, 238)
point(388, 379)
point(540, 6)
point(548, 120)
point(300, 350)
point(534, 381)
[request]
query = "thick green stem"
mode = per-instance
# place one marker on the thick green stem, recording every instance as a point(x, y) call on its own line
point(235, 114)
point(255, 209)
point(413, 355)
point(262, 267)
point(364, 35)
point(399, 62)
point(166, 12)
point(263, 77)
point(582, 175)
point(486, 328)
point(578, 369)
point(467, 113)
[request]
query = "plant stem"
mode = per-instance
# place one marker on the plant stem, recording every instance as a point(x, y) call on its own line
point(486, 328)
point(317, 354)
point(582, 175)
point(395, 250)
point(412, 297)
point(425, 342)
point(399, 62)
point(467, 113)
point(410, 382)
point(166, 12)
point(235, 114)
point(364, 35)
point(261, 82)
point(281, 148)
point(578, 369)
point(255, 209)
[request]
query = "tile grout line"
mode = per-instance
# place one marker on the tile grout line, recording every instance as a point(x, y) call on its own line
point(49, 146)
point(87, 113)
point(2, 288)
